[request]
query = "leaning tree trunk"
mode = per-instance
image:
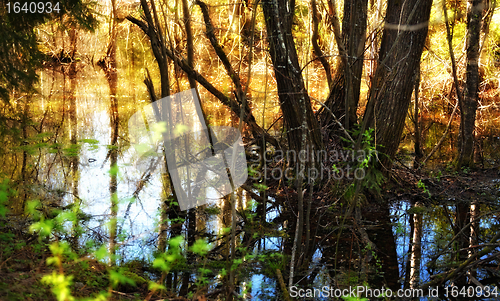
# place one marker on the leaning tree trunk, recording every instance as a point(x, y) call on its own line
point(294, 100)
point(390, 95)
point(469, 105)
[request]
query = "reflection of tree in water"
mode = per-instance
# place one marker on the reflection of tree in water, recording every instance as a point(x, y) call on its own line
point(338, 239)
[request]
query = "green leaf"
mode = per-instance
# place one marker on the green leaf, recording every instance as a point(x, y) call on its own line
point(32, 206)
point(118, 277)
point(176, 241)
point(223, 272)
point(60, 285)
point(200, 247)
point(153, 286)
point(102, 253)
point(44, 227)
point(160, 263)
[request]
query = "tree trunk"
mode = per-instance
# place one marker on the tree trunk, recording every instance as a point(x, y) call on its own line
point(108, 65)
point(354, 36)
point(469, 105)
point(344, 94)
point(113, 160)
point(390, 95)
point(475, 213)
point(294, 100)
point(418, 150)
point(462, 218)
point(407, 272)
point(416, 249)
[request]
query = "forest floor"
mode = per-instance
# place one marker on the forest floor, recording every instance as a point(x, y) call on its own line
point(446, 186)
point(24, 265)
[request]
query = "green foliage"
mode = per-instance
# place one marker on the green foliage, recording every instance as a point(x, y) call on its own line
point(59, 281)
point(212, 210)
point(271, 261)
point(72, 150)
point(60, 285)
point(43, 227)
point(373, 176)
point(61, 251)
point(417, 210)
point(367, 160)
point(260, 187)
point(19, 53)
point(200, 247)
point(5, 192)
point(171, 259)
point(63, 257)
point(421, 185)
point(117, 277)
point(437, 175)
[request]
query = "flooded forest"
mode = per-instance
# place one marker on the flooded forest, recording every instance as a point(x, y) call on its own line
point(249, 150)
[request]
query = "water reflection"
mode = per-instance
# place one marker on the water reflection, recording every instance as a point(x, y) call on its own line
point(78, 165)
point(78, 152)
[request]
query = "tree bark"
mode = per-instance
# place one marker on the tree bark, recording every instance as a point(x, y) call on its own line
point(469, 105)
point(418, 150)
point(390, 95)
point(345, 90)
point(294, 100)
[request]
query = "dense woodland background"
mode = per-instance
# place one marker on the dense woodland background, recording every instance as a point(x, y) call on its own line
point(413, 86)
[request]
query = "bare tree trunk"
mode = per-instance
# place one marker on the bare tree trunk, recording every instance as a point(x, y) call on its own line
point(345, 90)
point(108, 65)
point(374, 39)
point(474, 231)
point(113, 160)
point(390, 94)
point(463, 232)
point(354, 35)
point(73, 119)
point(407, 272)
point(294, 100)
point(416, 249)
point(191, 215)
point(416, 122)
point(469, 105)
point(163, 224)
